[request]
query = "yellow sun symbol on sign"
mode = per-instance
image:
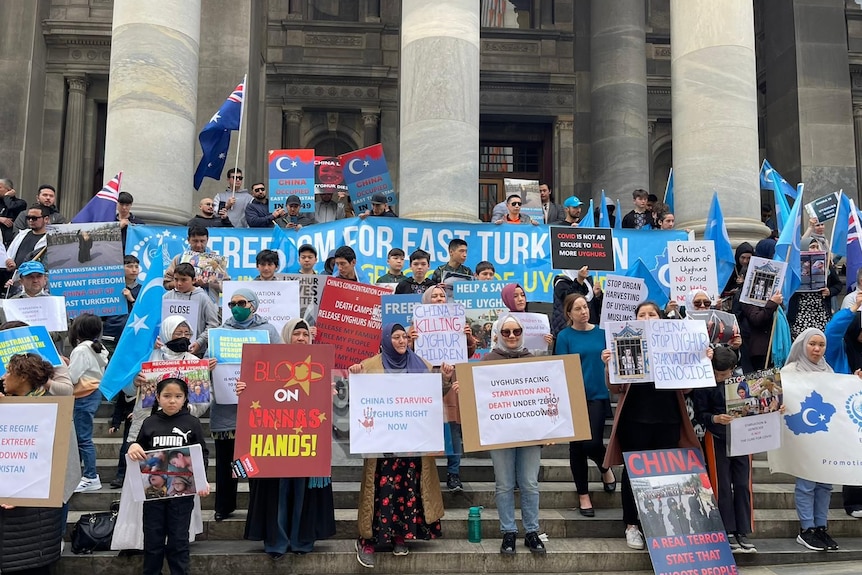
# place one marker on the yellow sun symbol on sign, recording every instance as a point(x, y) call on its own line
point(304, 376)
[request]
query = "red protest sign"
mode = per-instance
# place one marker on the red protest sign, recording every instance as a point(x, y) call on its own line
point(283, 423)
point(349, 319)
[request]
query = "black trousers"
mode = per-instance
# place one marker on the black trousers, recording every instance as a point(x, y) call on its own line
point(733, 476)
point(635, 436)
point(225, 495)
point(169, 520)
point(852, 495)
point(593, 448)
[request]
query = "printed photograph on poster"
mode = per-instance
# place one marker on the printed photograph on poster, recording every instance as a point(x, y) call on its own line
point(622, 295)
point(188, 308)
point(483, 304)
point(84, 246)
point(328, 177)
point(278, 301)
point(721, 327)
point(823, 209)
point(531, 198)
point(754, 393)
point(209, 267)
point(48, 311)
point(195, 373)
point(440, 333)
point(678, 511)
point(169, 472)
point(813, 269)
point(691, 266)
point(762, 280)
point(630, 361)
point(574, 248)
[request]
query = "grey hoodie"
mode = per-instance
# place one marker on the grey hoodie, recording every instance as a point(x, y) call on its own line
point(207, 314)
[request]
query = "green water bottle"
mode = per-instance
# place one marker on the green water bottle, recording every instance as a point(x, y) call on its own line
point(474, 525)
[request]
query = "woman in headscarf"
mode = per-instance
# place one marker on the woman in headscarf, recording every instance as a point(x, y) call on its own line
point(515, 465)
point(515, 299)
point(812, 497)
point(399, 497)
point(744, 251)
point(814, 308)
point(243, 305)
point(290, 514)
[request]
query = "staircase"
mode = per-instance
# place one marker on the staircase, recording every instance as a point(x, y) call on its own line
point(576, 544)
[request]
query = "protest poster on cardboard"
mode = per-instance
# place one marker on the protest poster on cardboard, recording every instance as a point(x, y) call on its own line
point(226, 346)
point(762, 280)
point(813, 269)
point(483, 304)
point(528, 401)
point(291, 172)
point(366, 173)
point(622, 295)
point(691, 266)
point(187, 308)
point(34, 433)
point(195, 372)
point(574, 248)
point(349, 319)
point(278, 301)
point(754, 400)
point(536, 328)
point(440, 333)
point(678, 512)
point(284, 415)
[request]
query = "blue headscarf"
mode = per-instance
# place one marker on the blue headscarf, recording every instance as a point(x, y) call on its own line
point(394, 361)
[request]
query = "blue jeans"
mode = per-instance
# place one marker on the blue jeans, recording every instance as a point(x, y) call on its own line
point(521, 464)
point(83, 415)
point(812, 502)
point(453, 460)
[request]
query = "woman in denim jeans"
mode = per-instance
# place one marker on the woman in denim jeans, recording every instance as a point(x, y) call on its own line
point(515, 465)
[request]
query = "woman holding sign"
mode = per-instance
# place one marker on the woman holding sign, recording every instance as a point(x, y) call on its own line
point(399, 497)
point(588, 341)
point(515, 464)
point(290, 514)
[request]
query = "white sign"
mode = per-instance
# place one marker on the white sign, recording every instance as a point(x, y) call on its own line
point(754, 434)
point(278, 300)
point(629, 345)
point(536, 328)
point(821, 428)
point(622, 295)
point(678, 354)
point(27, 449)
point(49, 311)
point(521, 401)
point(396, 413)
point(692, 267)
point(440, 328)
point(762, 280)
point(310, 290)
point(224, 378)
point(187, 308)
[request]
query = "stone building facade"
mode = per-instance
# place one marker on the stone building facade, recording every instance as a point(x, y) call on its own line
point(325, 74)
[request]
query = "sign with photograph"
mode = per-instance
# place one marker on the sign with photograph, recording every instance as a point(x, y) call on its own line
point(169, 472)
point(754, 400)
point(483, 304)
point(813, 267)
point(762, 280)
point(328, 176)
point(629, 344)
point(574, 248)
point(528, 401)
point(721, 327)
point(691, 266)
point(531, 199)
point(195, 372)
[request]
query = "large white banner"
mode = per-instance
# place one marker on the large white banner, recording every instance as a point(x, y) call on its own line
point(821, 429)
point(396, 413)
point(279, 300)
point(522, 402)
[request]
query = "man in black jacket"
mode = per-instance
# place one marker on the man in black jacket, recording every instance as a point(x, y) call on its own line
point(207, 217)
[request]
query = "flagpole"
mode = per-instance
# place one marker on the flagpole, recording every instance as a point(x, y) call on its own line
point(835, 221)
point(239, 132)
point(667, 185)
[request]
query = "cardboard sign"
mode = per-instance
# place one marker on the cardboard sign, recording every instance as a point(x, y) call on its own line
point(754, 400)
point(187, 308)
point(440, 330)
point(678, 512)
point(531, 198)
point(823, 209)
point(224, 378)
point(284, 424)
point(170, 472)
point(278, 300)
point(678, 353)
point(349, 319)
point(691, 266)
point(629, 344)
point(291, 172)
point(574, 248)
point(310, 290)
point(48, 311)
point(195, 372)
point(34, 435)
point(529, 401)
point(622, 295)
point(762, 280)
point(396, 413)
point(34, 339)
point(536, 327)
point(814, 269)
point(366, 173)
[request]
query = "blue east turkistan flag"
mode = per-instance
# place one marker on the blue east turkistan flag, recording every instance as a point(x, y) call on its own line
point(282, 242)
point(787, 250)
point(668, 191)
point(655, 291)
point(782, 208)
point(769, 177)
point(215, 137)
point(717, 232)
point(840, 226)
point(589, 219)
point(604, 217)
point(618, 217)
point(139, 336)
point(103, 206)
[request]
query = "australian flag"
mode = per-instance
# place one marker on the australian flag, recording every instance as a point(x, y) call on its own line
point(215, 137)
point(854, 246)
point(103, 206)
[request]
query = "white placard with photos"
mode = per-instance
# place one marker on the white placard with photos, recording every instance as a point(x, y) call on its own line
point(762, 280)
point(629, 345)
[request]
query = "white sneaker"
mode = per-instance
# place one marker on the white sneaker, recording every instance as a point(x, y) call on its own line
point(857, 514)
point(634, 539)
point(87, 484)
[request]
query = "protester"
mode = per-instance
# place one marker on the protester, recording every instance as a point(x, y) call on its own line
point(455, 266)
point(185, 289)
point(514, 215)
point(744, 251)
point(515, 300)
point(569, 282)
point(665, 220)
point(307, 259)
point(755, 327)
point(588, 341)
point(640, 218)
point(290, 514)
point(814, 308)
point(485, 271)
point(395, 263)
point(418, 282)
point(399, 497)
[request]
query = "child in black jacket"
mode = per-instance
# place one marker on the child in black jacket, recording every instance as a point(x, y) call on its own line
point(171, 426)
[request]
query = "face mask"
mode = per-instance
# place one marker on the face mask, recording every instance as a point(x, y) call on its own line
point(240, 314)
point(178, 345)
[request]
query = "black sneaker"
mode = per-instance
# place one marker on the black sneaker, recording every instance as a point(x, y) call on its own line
point(745, 545)
point(734, 544)
point(809, 538)
point(831, 544)
point(532, 541)
point(117, 483)
point(453, 482)
point(508, 545)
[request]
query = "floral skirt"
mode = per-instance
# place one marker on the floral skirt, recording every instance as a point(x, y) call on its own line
point(811, 314)
point(398, 510)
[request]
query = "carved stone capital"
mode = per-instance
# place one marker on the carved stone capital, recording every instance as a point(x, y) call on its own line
point(293, 116)
point(370, 119)
point(77, 84)
point(857, 109)
point(562, 125)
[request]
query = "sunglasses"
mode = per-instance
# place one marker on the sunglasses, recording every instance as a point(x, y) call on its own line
point(701, 303)
point(515, 204)
point(207, 204)
point(259, 190)
point(510, 332)
point(235, 177)
point(240, 303)
point(34, 218)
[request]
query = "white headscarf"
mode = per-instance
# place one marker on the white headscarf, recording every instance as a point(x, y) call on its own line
point(799, 357)
point(166, 334)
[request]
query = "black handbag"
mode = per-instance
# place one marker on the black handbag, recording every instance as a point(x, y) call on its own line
point(94, 531)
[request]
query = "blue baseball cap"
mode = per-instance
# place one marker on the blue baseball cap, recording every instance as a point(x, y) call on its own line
point(572, 202)
point(31, 267)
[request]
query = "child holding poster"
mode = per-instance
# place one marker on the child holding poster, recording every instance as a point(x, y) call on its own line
point(169, 518)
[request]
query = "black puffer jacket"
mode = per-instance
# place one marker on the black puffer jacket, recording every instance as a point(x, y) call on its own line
point(29, 537)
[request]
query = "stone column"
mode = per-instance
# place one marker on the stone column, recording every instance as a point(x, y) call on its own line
point(618, 98)
point(152, 105)
point(857, 133)
point(292, 118)
point(714, 92)
point(564, 158)
point(439, 104)
point(370, 121)
point(71, 193)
